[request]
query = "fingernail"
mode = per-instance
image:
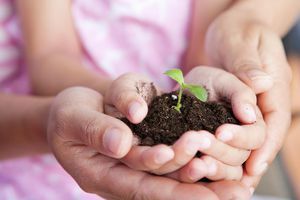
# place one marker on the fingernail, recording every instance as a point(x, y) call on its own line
point(195, 173)
point(112, 139)
point(212, 168)
point(163, 157)
point(262, 168)
point(135, 109)
point(255, 74)
point(204, 143)
point(251, 190)
point(250, 112)
point(225, 136)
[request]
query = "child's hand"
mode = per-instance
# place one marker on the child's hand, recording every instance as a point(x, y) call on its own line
point(125, 90)
point(231, 145)
point(129, 96)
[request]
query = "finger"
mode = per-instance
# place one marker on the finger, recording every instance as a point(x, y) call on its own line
point(105, 134)
point(148, 158)
point(207, 167)
point(111, 179)
point(242, 98)
point(251, 182)
point(223, 85)
point(195, 170)
point(130, 94)
point(244, 60)
point(219, 171)
point(227, 190)
point(254, 76)
point(278, 119)
point(223, 152)
point(248, 137)
point(185, 149)
point(154, 187)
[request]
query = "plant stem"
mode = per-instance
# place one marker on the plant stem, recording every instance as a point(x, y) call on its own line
point(178, 106)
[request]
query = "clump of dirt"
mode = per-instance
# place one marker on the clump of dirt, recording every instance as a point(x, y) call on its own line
point(164, 125)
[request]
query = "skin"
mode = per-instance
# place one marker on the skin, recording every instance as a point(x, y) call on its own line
point(14, 141)
point(223, 162)
point(82, 141)
point(77, 129)
point(61, 52)
point(252, 50)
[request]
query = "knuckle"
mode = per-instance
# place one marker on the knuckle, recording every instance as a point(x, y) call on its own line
point(61, 117)
point(86, 182)
point(246, 93)
point(244, 157)
point(261, 139)
point(85, 187)
point(237, 174)
point(223, 153)
point(120, 99)
point(138, 193)
point(90, 130)
point(92, 182)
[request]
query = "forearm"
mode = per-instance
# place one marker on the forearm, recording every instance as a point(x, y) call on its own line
point(52, 49)
point(55, 72)
point(23, 125)
point(279, 15)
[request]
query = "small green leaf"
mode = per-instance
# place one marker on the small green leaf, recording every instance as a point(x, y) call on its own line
point(175, 74)
point(198, 91)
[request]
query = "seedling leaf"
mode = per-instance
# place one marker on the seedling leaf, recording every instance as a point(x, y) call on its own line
point(176, 74)
point(198, 91)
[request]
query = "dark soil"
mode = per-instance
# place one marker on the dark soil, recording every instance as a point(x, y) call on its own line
point(164, 124)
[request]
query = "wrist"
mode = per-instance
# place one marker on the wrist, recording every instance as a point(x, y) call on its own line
point(67, 71)
point(98, 83)
point(23, 125)
point(278, 16)
point(37, 124)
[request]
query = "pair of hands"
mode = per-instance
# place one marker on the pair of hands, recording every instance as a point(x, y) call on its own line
point(250, 51)
point(99, 152)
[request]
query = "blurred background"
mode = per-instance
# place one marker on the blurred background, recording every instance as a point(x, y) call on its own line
point(282, 180)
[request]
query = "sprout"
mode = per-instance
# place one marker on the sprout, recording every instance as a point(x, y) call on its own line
point(198, 91)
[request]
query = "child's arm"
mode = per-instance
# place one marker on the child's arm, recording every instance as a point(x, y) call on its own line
point(52, 50)
point(22, 125)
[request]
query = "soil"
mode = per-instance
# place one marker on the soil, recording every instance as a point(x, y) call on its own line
point(163, 124)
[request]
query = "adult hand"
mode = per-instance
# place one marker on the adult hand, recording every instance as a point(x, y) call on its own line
point(84, 140)
point(255, 54)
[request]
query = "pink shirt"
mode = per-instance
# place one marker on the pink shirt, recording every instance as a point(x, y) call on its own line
point(117, 36)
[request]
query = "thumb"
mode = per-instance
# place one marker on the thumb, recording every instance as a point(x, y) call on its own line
point(130, 94)
point(76, 119)
point(105, 134)
point(255, 77)
point(83, 127)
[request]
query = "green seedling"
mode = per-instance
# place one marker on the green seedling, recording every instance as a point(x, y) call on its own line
point(198, 91)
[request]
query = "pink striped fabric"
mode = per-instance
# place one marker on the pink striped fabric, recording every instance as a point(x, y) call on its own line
point(118, 36)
